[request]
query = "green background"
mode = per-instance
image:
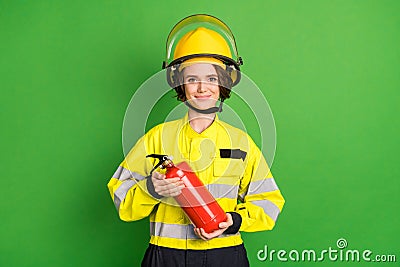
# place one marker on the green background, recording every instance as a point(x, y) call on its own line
point(329, 69)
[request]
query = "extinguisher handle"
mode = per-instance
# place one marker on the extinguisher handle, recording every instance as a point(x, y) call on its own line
point(161, 159)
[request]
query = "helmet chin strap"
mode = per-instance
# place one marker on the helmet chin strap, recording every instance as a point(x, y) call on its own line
point(206, 111)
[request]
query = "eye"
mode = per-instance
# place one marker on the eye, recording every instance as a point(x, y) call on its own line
point(191, 80)
point(213, 79)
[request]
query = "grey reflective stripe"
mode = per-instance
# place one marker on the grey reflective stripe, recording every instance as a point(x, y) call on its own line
point(118, 172)
point(269, 208)
point(177, 231)
point(262, 186)
point(123, 174)
point(223, 190)
point(120, 193)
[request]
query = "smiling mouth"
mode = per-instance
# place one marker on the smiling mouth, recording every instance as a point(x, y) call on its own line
point(203, 97)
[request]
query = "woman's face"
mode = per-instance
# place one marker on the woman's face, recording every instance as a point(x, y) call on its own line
point(201, 85)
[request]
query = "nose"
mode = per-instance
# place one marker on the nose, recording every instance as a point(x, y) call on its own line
point(201, 86)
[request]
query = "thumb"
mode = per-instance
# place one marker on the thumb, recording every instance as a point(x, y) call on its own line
point(228, 221)
point(223, 225)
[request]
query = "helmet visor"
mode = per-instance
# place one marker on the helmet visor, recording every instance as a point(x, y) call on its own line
point(202, 21)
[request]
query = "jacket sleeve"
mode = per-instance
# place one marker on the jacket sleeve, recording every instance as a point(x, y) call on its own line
point(129, 185)
point(261, 199)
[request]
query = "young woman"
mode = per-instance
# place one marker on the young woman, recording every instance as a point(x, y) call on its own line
point(202, 71)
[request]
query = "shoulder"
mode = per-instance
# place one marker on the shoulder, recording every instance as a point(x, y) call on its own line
point(240, 139)
point(163, 127)
point(235, 132)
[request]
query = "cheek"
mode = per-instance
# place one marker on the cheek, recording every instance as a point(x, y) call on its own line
point(190, 89)
point(216, 92)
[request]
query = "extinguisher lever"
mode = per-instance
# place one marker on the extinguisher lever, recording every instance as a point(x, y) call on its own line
point(161, 159)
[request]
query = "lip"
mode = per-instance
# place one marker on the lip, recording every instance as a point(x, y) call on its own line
point(202, 96)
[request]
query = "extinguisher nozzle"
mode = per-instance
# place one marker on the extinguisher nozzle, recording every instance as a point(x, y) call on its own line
point(161, 160)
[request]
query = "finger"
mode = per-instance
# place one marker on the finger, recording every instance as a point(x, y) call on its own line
point(164, 187)
point(199, 234)
point(174, 180)
point(196, 232)
point(158, 176)
point(160, 183)
point(177, 193)
point(169, 191)
point(212, 234)
point(166, 181)
point(208, 235)
point(167, 184)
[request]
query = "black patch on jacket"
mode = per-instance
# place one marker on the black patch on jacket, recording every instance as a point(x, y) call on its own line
point(232, 153)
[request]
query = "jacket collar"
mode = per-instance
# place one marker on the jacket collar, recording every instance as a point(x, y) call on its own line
point(210, 132)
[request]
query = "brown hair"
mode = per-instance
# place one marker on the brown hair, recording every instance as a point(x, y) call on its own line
point(224, 80)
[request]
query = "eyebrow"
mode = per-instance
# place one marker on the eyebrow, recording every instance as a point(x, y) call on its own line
point(196, 76)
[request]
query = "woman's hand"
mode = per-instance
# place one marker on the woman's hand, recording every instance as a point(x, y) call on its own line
point(222, 228)
point(170, 187)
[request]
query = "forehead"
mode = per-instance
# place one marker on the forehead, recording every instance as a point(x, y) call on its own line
point(199, 69)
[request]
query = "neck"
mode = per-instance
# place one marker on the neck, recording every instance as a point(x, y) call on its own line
point(200, 122)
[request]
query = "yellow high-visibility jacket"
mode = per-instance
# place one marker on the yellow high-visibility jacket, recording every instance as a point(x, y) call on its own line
point(224, 158)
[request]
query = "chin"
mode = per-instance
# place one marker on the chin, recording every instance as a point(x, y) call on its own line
point(203, 103)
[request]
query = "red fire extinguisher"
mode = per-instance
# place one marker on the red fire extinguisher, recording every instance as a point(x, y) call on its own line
point(197, 202)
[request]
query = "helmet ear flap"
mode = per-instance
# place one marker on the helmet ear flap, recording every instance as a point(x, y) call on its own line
point(172, 76)
point(233, 73)
point(230, 71)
